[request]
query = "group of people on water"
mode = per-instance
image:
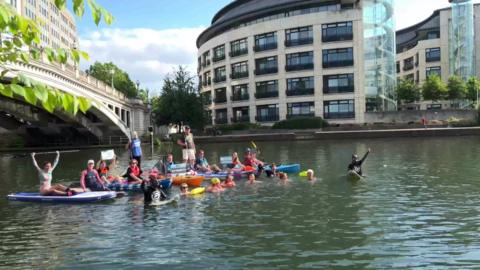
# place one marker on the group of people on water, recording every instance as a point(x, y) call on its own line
point(97, 177)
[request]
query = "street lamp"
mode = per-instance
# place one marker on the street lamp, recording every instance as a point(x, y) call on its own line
point(112, 71)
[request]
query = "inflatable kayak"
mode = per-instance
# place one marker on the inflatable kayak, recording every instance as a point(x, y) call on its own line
point(287, 168)
point(85, 197)
point(165, 184)
point(354, 176)
point(191, 180)
point(197, 191)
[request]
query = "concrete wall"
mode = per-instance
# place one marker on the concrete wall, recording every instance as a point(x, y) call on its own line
point(416, 116)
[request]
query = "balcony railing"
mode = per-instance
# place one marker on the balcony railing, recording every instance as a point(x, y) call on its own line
point(342, 37)
point(238, 52)
point(263, 71)
point(299, 67)
point(295, 116)
point(338, 89)
point(300, 92)
point(338, 63)
point(407, 66)
point(298, 42)
point(241, 97)
point(265, 47)
point(266, 94)
point(433, 58)
point(239, 75)
point(221, 121)
point(339, 115)
point(222, 99)
point(218, 58)
point(241, 119)
point(219, 79)
point(267, 118)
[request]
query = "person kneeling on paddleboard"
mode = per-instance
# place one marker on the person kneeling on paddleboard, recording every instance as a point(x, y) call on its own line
point(356, 164)
point(91, 179)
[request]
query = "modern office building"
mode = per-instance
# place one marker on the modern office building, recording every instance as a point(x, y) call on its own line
point(270, 60)
point(443, 44)
point(58, 26)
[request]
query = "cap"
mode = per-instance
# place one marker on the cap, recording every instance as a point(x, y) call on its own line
point(215, 181)
point(90, 161)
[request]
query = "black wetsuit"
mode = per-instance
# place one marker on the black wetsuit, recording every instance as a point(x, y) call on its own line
point(357, 164)
point(150, 189)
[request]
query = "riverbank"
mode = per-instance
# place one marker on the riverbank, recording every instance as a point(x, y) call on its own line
point(345, 134)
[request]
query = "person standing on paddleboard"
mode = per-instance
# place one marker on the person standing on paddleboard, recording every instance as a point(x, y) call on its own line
point(188, 146)
point(356, 164)
point(135, 148)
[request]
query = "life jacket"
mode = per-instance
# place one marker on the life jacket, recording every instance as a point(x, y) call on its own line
point(136, 149)
point(103, 171)
point(249, 162)
point(135, 170)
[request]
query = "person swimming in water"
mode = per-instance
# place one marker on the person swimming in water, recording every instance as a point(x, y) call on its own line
point(251, 179)
point(184, 189)
point(229, 182)
point(311, 175)
point(356, 164)
point(215, 186)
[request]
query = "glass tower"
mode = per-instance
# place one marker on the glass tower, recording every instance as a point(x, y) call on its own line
point(379, 55)
point(461, 39)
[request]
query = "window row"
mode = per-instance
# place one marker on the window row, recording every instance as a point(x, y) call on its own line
point(334, 109)
point(431, 55)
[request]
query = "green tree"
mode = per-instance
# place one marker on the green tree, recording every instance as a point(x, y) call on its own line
point(179, 101)
point(457, 89)
point(121, 80)
point(473, 87)
point(434, 88)
point(407, 91)
point(23, 45)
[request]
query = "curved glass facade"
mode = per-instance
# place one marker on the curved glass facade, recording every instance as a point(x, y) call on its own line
point(461, 39)
point(379, 55)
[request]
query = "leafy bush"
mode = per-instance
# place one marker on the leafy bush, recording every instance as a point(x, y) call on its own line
point(301, 123)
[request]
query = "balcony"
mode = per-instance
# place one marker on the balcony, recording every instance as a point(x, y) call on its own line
point(241, 97)
point(339, 63)
point(338, 89)
point(238, 52)
point(300, 92)
point(298, 42)
point(407, 66)
point(263, 71)
point(296, 116)
point(339, 115)
point(239, 75)
point(241, 119)
point(221, 99)
point(265, 47)
point(218, 58)
point(267, 118)
point(435, 58)
point(219, 79)
point(266, 94)
point(299, 67)
point(221, 121)
point(342, 37)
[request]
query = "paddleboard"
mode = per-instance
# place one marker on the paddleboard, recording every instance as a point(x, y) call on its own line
point(353, 175)
point(85, 197)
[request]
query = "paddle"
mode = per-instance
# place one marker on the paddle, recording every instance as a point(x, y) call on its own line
point(47, 153)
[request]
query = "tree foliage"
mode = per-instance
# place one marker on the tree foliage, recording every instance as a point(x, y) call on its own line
point(457, 89)
point(22, 42)
point(473, 86)
point(121, 80)
point(179, 101)
point(407, 91)
point(434, 88)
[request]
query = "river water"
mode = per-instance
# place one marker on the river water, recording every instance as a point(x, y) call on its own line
point(418, 208)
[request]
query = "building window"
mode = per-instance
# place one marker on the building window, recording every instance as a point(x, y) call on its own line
point(221, 95)
point(206, 98)
point(241, 115)
point(337, 57)
point(219, 53)
point(338, 109)
point(434, 106)
point(220, 75)
point(238, 47)
point(207, 79)
point(239, 70)
point(299, 61)
point(337, 31)
point(299, 36)
point(300, 109)
point(432, 55)
point(408, 64)
point(267, 113)
point(265, 42)
point(221, 117)
point(267, 65)
point(433, 35)
point(431, 71)
point(206, 59)
point(300, 86)
point(267, 89)
point(409, 77)
point(240, 92)
point(398, 66)
point(342, 83)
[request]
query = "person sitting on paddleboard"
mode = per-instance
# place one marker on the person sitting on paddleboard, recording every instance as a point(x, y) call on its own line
point(91, 179)
point(356, 164)
point(236, 164)
point(201, 164)
point(215, 186)
point(133, 174)
point(45, 177)
point(184, 189)
point(103, 169)
point(229, 183)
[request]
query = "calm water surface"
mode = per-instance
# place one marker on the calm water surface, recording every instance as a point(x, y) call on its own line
point(417, 209)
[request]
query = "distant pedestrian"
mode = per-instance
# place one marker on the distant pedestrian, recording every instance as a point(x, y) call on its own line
point(135, 148)
point(424, 122)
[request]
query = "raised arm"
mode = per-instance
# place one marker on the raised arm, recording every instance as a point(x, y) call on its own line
point(55, 163)
point(113, 163)
point(35, 164)
point(365, 156)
